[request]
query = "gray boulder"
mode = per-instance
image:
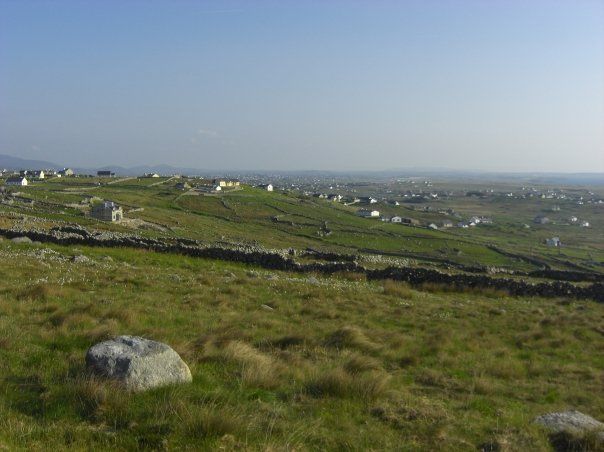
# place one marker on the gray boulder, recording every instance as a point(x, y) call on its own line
point(20, 240)
point(139, 364)
point(571, 422)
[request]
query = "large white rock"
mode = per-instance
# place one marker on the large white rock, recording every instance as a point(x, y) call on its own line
point(573, 422)
point(138, 363)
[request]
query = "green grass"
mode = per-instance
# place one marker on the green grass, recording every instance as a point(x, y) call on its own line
point(277, 220)
point(281, 361)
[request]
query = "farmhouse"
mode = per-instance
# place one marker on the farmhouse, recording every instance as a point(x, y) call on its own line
point(554, 241)
point(368, 200)
point(21, 181)
point(104, 173)
point(267, 187)
point(410, 221)
point(107, 211)
point(447, 224)
point(226, 182)
point(368, 213)
point(151, 175)
point(65, 172)
point(396, 220)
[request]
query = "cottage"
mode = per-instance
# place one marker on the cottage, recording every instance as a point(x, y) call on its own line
point(368, 200)
point(20, 181)
point(104, 173)
point(38, 174)
point(226, 182)
point(65, 172)
point(447, 224)
point(151, 175)
point(554, 241)
point(368, 213)
point(267, 187)
point(432, 226)
point(182, 186)
point(396, 219)
point(107, 211)
point(410, 221)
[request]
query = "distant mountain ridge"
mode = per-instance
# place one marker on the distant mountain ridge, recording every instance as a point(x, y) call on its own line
point(17, 163)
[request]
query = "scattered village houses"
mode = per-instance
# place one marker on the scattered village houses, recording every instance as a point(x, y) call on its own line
point(107, 211)
point(20, 181)
point(366, 213)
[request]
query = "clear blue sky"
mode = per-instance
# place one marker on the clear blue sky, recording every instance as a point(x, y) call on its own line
point(488, 85)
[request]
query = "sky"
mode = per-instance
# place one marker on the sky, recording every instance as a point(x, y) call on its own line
point(298, 85)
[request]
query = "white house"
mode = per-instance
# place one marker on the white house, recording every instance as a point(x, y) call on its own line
point(432, 226)
point(585, 224)
point(368, 213)
point(66, 172)
point(151, 175)
point(267, 187)
point(38, 174)
point(554, 241)
point(20, 181)
point(396, 219)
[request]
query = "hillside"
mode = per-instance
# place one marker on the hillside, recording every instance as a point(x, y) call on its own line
point(281, 361)
point(328, 353)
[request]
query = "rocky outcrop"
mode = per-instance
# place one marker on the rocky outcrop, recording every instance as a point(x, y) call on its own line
point(138, 364)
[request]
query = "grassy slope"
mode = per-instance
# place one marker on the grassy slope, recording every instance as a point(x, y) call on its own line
point(338, 363)
point(249, 215)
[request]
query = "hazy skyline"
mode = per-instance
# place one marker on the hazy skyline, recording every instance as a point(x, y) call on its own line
point(497, 86)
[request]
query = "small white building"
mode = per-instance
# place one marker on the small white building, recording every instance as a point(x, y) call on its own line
point(151, 175)
point(267, 187)
point(65, 172)
point(107, 211)
point(554, 241)
point(19, 181)
point(432, 226)
point(585, 224)
point(368, 213)
point(396, 219)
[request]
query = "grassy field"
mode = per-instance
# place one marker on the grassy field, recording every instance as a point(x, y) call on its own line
point(282, 361)
point(279, 220)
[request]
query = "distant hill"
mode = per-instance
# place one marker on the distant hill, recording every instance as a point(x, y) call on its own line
point(17, 163)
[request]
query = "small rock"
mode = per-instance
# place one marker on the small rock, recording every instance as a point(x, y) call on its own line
point(139, 364)
point(21, 240)
point(80, 259)
point(571, 422)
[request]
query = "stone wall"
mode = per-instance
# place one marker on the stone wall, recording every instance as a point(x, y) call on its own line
point(283, 260)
